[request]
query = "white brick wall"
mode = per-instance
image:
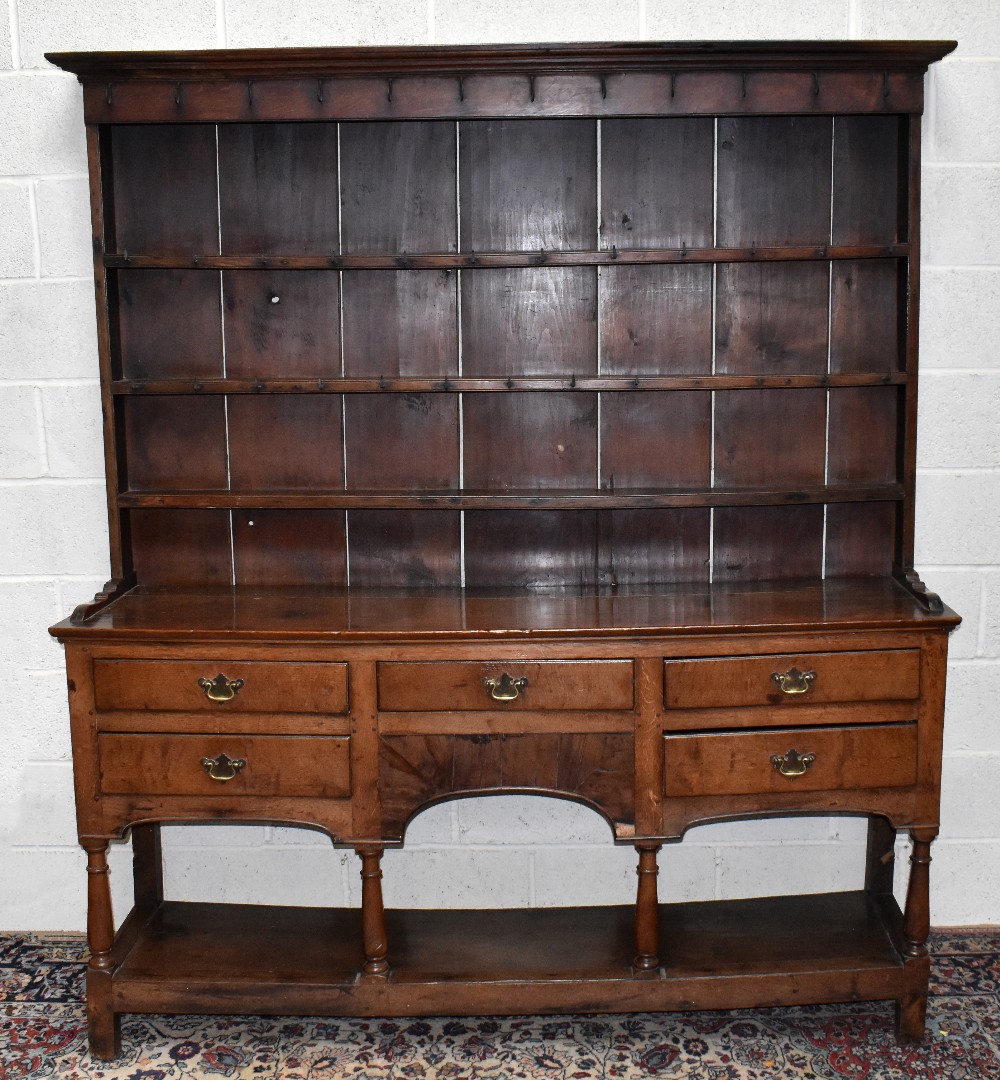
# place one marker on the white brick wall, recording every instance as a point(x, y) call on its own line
point(53, 547)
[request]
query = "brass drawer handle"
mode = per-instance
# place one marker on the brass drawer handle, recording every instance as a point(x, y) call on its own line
point(792, 763)
point(794, 681)
point(220, 688)
point(505, 688)
point(223, 767)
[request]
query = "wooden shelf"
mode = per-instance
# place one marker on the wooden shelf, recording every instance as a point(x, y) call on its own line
point(441, 260)
point(445, 384)
point(530, 499)
point(740, 953)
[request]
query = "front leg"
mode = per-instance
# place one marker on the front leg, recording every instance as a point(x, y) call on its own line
point(103, 1024)
point(912, 1007)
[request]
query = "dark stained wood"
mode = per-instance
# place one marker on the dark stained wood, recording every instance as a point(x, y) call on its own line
point(529, 549)
point(701, 56)
point(656, 182)
point(771, 318)
point(179, 162)
point(284, 441)
point(690, 87)
point(409, 441)
point(770, 543)
point(529, 322)
point(640, 547)
point(553, 498)
point(528, 185)
point(281, 321)
point(774, 180)
point(448, 384)
point(866, 164)
point(655, 440)
point(860, 539)
point(523, 440)
point(864, 324)
point(170, 324)
point(761, 435)
point(147, 865)
point(656, 319)
point(401, 324)
point(175, 441)
point(280, 184)
point(414, 548)
point(182, 547)
point(880, 856)
point(597, 769)
point(409, 167)
point(437, 260)
point(863, 434)
point(290, 547)
point(407, 386)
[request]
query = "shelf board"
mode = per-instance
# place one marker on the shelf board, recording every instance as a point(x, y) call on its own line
point(449, 260)
point(450, 384)
point(512, 499)
point(743, 953)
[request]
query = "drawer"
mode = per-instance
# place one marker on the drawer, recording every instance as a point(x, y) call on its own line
point(250, 686)
point(289, 766)
point(548, 686)
point(808, 678)
point(740, 763)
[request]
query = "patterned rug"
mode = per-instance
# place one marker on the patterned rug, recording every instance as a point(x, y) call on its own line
point(43, 1034)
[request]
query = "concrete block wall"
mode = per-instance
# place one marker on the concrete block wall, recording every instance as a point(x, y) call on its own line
point(484, 852)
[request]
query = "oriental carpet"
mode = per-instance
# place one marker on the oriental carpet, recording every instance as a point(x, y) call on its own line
point(43, 1034)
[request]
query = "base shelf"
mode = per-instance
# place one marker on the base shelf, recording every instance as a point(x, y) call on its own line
point(225, 958)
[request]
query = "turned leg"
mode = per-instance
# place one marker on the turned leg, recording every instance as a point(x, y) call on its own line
point(912, 1008)
point(376, 944)
point(102, 1022)
point(147, 865)
point(647, 912)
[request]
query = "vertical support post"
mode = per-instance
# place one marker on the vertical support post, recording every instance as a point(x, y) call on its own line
point(373, 930)
point(912, 1008)
point(147, 865)
point(647, 913)
point(102, 1023)
point(880, 860)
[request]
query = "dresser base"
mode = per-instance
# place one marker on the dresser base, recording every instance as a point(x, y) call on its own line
point(226, 958)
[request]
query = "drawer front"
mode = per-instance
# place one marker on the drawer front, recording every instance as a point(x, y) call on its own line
point(250, 686)
point(289, 766)
point(740, 763)
point(792, 680)
point(547, 686)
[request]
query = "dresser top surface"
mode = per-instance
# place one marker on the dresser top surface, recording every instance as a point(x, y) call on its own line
point(441, 614)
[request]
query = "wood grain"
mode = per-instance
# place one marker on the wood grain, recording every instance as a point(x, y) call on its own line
point(284, 321)
point(656, 182)
point(528, 185)
point(280, 184)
